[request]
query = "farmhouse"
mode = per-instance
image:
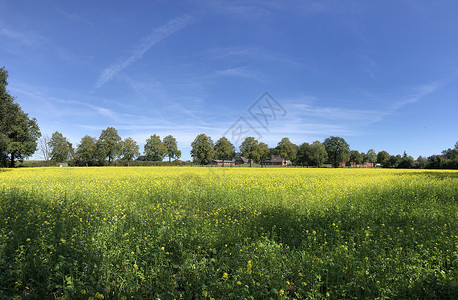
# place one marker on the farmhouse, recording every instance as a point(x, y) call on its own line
point(276, 160)
point(218, 162)
point(242, 160)
point(355, 165)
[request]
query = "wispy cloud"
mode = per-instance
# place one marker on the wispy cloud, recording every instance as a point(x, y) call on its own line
point(23, 38)
point(159, 34)
point(237, 72)
point(418, 93)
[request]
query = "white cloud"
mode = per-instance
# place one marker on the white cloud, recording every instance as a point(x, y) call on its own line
point(158, 35)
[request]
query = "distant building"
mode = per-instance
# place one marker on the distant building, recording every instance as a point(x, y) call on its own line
point(242, 160)
point(353, 164)
point(276, 160)
point(218, 162)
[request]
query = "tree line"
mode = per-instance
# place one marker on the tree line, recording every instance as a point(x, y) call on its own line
point(20, 138)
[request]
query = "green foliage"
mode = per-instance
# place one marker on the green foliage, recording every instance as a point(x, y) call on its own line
point(18, 133)
point(264, 151)
point(202, 149)
point(130, 149)
point(154, 149)
point(86, 151)
point(224, 149)
point(337, 149)
point(311, 155)
point(371, 156)
point(286, 149)
point(383, 158)
point(109, 144)
point(250, 149)
point(61, 149)
point(170, 144)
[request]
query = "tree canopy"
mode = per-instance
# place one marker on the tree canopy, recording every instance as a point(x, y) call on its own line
point(202, 149)
point(154, 149)
point(171, 147)
point(18, 132)
point(338, 150)
point(109, 144)
point(61, 148)
point(224, 149)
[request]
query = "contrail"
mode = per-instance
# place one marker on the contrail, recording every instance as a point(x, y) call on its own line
point(145, 44)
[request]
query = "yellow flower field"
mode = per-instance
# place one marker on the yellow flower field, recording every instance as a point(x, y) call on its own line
point(201, 232)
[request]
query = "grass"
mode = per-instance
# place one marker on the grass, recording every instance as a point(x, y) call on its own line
point(187, 232)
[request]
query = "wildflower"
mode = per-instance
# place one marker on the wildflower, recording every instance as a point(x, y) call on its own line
point(136, 267)
point(225, 275)
point(282, 292)
point(239, 283)
point(204, 293)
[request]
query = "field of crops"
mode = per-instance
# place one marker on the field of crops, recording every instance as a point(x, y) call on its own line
point(209, 233)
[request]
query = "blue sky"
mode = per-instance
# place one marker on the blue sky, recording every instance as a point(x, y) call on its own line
point(381, 74)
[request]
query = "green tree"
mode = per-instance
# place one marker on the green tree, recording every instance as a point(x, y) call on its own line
point(109, 144)
point(18, 133)
point(129, 149)
point(371, 156)
point(224, 149)
point(355, 156)
point(406, 161)
point(303, 154)
point(154, 148)
point(318, 154)
point(202, 149)
point(264, 151)
point(286, 149)
point(61, 149)
point(338, 150)
point(383, 158)
point(250, 149)
point(22, 137)
point(86, 151)
point(171, 147)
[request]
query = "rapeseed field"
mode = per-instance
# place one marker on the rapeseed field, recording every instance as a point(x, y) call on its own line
point(227, 233)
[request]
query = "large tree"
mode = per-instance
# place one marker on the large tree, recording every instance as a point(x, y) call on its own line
point(224, 149)
point(109, 144)
point(250, 149)
point(18, 132)
point(383, 158)
point(61, 148)
point(286, 149)
point(338, 150)
point(356, 157)
point(154, 148)
point(130, 149)
point(303, 154)
point(202, 149)
point(171, 147)
point(318, 154)
point(263, 151)
point(87, 150)
point(371, 156)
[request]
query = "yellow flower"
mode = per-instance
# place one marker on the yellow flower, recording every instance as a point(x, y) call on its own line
point(136, 267)
point(282, 292)
point(239, 283)
point(27, 240)
point(204, 293)
point(225, 275)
